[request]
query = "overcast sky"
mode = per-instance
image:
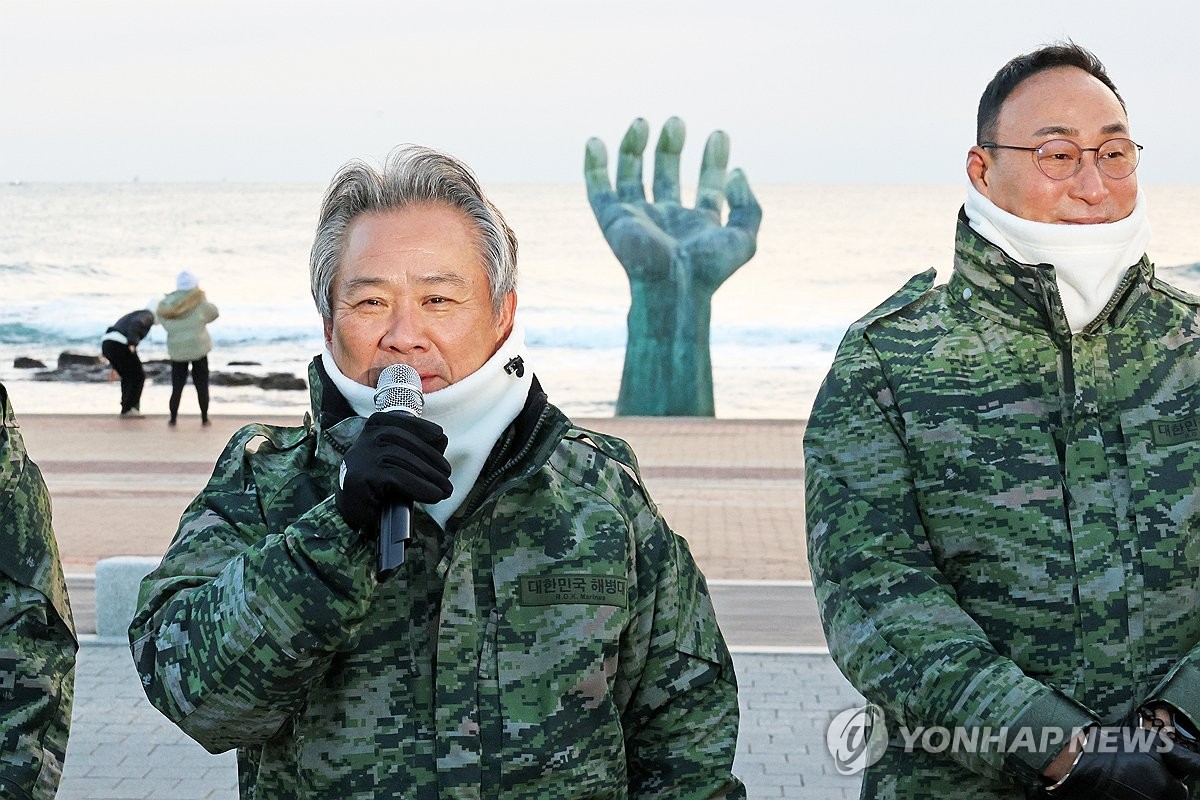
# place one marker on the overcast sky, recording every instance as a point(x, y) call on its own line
point(821, 92)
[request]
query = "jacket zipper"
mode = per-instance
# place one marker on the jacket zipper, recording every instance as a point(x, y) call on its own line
point(492, 477)
point(1063, 346)
point(1116, 298)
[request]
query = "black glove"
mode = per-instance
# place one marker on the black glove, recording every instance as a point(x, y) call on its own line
point(1183, 759)
point(1127, 764)
point(397, 458)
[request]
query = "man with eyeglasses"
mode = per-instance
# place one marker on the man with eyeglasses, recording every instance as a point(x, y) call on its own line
point(1003, 475)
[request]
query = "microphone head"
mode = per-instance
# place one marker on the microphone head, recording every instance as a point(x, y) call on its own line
point(399, 389)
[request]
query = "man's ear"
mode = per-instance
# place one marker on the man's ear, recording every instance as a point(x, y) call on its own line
point(978, 164)
point(508, 310)
point(328, 325)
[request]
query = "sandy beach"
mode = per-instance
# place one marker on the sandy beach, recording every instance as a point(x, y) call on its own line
point(732, 488)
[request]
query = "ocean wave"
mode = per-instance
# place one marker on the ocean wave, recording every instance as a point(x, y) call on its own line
point(824, 336)
point(266, 332)
point(49, 272)
point(72, 329)
point(589, 337)
point(76, 323)
point(20, 333)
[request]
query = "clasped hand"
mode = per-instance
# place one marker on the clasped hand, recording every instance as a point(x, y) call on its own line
point(397, 458)
point(1140, 761)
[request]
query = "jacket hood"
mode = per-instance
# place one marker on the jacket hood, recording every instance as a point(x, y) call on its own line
point(1026, 295)
point(179, 303)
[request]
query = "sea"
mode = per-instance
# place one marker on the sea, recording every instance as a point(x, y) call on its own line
point(75, 257)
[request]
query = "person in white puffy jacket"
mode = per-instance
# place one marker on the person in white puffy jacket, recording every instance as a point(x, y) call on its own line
point(185, 314)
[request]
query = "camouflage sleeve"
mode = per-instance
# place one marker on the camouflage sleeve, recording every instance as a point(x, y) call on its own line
point(37, 632)
point(682, 719)
point(890, 616)
point(37, 672)
point(1181, 687)
point(240, 619)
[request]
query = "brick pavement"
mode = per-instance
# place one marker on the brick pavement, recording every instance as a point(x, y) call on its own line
point(733, 488)
point(121, 748)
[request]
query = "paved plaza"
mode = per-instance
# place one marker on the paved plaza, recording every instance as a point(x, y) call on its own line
point(732, 488)
point(121, 748)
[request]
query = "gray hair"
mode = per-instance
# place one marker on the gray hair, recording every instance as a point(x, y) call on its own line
point(411, 176)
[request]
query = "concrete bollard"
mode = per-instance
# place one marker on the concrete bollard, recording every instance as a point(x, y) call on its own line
point(117, 581)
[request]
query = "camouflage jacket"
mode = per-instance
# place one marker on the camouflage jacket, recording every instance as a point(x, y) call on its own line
point(37, 634)
point(557, 640)
point(1004, 518)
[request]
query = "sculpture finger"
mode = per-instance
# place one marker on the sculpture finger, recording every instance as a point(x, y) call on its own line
point(641, 246)
point(666, 161)
point(711, 194)
point(745, 213)
point(629, 162)
point(595, 175)
point(737, 246)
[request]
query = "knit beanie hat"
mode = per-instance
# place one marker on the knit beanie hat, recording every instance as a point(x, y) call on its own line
point(185, 281)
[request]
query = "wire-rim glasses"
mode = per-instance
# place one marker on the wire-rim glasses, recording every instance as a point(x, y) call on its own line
point(1059, 159)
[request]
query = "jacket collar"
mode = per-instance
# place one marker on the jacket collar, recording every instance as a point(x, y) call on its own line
point(332, 421)
point(1025, 296)
point(523, 447)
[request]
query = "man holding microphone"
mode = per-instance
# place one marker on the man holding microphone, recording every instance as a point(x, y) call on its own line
point(546, 633)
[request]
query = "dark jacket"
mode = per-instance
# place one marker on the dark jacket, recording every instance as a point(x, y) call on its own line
point(557, 637)
point(134, 326)
point(1004, 517)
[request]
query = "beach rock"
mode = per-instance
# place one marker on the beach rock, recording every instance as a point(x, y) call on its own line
point(68, 360)
point(157, 371)
point(82, 368)
point(96, 373)
point(233, 379)
point(244, 364)
point(283, 381)
point(77, 368)
point(274, 380)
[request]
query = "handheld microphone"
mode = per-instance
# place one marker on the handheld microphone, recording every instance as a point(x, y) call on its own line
point(398, 389)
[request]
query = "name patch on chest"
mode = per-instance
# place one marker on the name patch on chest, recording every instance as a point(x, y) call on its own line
point(1166, 432)
point(549, 590)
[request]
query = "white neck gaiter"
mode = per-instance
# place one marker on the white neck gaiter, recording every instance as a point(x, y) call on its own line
point(361, 398)
point(1089, 260)
point(473, 412)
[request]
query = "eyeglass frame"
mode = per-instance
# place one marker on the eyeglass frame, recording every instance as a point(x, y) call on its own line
point(1078, 163)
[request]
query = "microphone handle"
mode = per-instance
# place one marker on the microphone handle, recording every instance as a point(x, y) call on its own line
point(395, 526)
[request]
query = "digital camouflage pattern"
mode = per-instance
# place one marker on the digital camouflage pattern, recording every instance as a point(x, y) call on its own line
point(1004, 518)
point(37, 634)
point(559, 641)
